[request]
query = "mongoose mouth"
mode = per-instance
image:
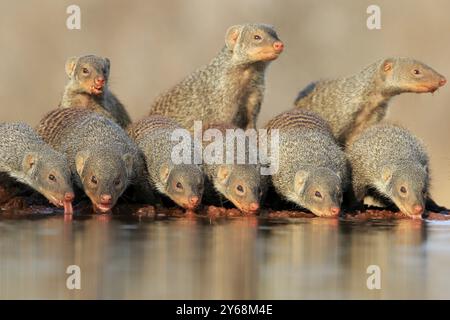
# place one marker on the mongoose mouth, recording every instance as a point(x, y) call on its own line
point(103, 208)
point(66, 204)
point(96, 90)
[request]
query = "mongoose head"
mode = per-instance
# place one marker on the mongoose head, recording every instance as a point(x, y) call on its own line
point(318, 190)
point(408, 75)
point(253, 42)
point(241, 184)
point(183, 184)
point(407, 187)
point(88, 74)
point(104, 176)
point(49, 173)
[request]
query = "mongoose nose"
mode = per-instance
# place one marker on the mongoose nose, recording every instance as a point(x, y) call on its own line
point(278, 46)
point(99, 81)
point(194, 200)
point(335, 211)
point(254, 206)
point(418, 209)
point(106, 198)
point(69, 196)
point(442, 81)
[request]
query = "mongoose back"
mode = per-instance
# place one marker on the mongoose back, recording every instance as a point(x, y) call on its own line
point(351, 104)
point(25, 157)
point(88, 88)
point(240, 183)
point(392, 162)
point(230, 88)
point(181, 182)
point(103, 158)
point(312, 170)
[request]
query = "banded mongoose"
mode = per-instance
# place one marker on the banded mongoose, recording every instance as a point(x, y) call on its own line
point(103, 159)
point(240, 183)
point(181, 182)
point(88, 88)
point(230, 88)
point(25, 157)
point(389, 161)
point(313, 170)
point(351, 104)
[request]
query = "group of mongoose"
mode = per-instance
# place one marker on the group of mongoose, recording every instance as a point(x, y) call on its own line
point(332, 145)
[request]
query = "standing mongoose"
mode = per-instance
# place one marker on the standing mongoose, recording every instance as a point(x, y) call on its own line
point(351, 104)
point(182, 183)
point(240, 183)
point(230, 88)
point(103, 159)
point(391, 163)
point(88, 88)
point(25, 157)
point(312, 170)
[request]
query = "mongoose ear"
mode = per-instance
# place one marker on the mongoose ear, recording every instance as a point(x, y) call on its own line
point(164, 173)
point(70, 66)
point(232, 35)
point(388, 65)
point(80, 161)
point(29, 161)
point(300, 180)
point(222, 174)
point(128, 159)
point(386, 174)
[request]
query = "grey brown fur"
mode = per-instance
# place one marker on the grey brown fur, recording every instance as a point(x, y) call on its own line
point(351, 104)
point(313, 170)
point(182, 183)
point(242, 184)
point(25, 157)
point(386, 158)
point(88, 88)
point(102, 157)
point(230, 88)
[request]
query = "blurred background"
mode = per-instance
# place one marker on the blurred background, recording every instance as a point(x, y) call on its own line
point(154, 44)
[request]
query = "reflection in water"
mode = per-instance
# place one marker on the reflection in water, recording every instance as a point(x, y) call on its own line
point(235, 258)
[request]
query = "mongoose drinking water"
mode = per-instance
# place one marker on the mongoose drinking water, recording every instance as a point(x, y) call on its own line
point(313, 170)
point(242, 184)
point(88, 88)
point(231, 88)
point(182, 183)
point(103, 158)
point(25, 157)
point(351, 104)
point(390, 162)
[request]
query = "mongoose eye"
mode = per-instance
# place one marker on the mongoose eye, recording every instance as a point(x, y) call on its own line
point(179, 185)
point(94, 179)
point(416, 71)
point(318, 194)
point(116, 182)
point(403, 189)
point(240, 188)
point(85, 71)
point(51, 177)
point(257, 37)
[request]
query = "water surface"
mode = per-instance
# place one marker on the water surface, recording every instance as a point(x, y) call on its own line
point(132, 257)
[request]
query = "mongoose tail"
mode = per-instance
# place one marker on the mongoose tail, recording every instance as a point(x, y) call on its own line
point(88, 88)
point(231, 87)
point(351, 104)
point(390, 160)
point(25, 157)
point(104, 161)
point(313, 169)
point(182, 183)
